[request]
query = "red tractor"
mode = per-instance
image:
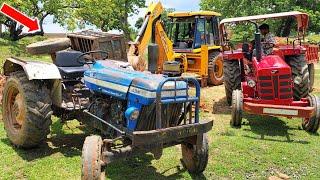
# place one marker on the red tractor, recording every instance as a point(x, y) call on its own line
point(274, 84)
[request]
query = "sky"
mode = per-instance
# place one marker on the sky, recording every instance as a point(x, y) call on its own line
point(178, 5)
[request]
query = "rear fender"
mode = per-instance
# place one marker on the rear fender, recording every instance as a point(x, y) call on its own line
point(38, 71)
point(33, 69)
point(233, 55)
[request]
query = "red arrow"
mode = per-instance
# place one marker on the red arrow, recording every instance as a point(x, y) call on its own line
point(14, 14)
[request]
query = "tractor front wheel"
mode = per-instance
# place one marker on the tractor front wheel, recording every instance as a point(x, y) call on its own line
point(195, 159)
point(237, 109)
point(92, 164)
point(312, 124)
point(215, 69)
point(26, 110)
point(232, 78)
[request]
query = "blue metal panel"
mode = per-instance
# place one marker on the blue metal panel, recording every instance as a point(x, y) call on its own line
point(138, 88)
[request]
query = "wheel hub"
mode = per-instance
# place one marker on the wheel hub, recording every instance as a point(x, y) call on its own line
point(17, 114)
point(18, 109)
point(218, 70)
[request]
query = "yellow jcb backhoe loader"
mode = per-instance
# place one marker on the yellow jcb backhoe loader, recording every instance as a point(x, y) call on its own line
point(189, 47)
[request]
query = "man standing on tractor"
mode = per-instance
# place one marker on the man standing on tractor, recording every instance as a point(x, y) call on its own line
point(268, 41)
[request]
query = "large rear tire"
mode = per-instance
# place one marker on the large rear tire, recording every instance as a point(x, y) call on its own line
point(312, 124)
point(299, 68)
point(232, 78)
point(311, 75)
point(26, 111)
point(195, 160)
point(215, 69)
point(237, 109)
point(92, 168)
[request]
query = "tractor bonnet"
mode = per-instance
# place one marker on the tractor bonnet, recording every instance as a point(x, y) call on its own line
point(119, 80)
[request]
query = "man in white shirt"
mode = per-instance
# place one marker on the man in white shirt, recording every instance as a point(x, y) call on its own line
point(268, 41)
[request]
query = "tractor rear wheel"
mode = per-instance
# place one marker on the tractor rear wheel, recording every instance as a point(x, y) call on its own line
point(311, 75)
point(237, 109)
point(299, 68)
point(215, 69)
point(195, 159)
point(26, 110)
point(312, 124)
point(232, 78)
point(92, 164)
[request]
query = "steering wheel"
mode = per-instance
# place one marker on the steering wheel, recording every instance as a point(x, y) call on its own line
point(81, 58)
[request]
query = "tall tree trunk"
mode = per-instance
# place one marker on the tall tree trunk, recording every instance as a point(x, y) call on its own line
point(126, 25)
point(287, 28)
point(280, 29)
point(15, 30)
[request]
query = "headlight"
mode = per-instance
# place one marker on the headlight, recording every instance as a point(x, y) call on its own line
point(251, 83)
point(132, 113)
point(135, 115)
point(297, 80)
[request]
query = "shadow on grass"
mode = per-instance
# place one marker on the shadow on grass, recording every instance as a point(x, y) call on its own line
point(221, 107)
point(67, 144)
point(268, 127)
point(140, 167)
point(70, 145)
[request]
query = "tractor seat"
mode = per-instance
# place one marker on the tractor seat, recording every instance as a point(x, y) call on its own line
point(68, 65)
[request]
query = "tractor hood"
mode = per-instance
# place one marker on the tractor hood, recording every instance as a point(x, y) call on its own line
point(273, 62)
point(118, 79)
point(272, 65)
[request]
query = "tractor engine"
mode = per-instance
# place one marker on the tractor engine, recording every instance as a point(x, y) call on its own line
point(112, 110)
point(272, 79)
point(109, 109)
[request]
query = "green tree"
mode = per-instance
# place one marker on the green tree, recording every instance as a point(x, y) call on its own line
point(108, 14)
point(139, 23)
point(41, 9)
point(235, 8)
point(164, 17)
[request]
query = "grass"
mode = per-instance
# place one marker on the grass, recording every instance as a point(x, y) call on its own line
point(18, 49)
point(263, 147)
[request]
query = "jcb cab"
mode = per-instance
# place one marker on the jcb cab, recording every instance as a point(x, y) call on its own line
point(196, 43)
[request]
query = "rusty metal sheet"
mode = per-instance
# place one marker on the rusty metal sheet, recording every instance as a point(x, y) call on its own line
point(33, 69)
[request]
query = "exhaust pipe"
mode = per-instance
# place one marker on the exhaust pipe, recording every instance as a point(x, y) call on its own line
point(153, 56)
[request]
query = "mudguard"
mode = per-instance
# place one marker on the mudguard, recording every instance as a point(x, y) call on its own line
point(33, 69)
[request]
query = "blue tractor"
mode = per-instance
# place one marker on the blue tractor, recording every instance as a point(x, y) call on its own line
point(134, 111)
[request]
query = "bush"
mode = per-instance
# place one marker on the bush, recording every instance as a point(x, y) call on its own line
point(314, 39)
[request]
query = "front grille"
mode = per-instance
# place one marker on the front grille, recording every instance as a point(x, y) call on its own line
point(170, 116)
point(275, 87)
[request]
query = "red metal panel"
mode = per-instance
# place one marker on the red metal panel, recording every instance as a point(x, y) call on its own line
point(232, 55)
point(312, 54)
point(254, 108)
